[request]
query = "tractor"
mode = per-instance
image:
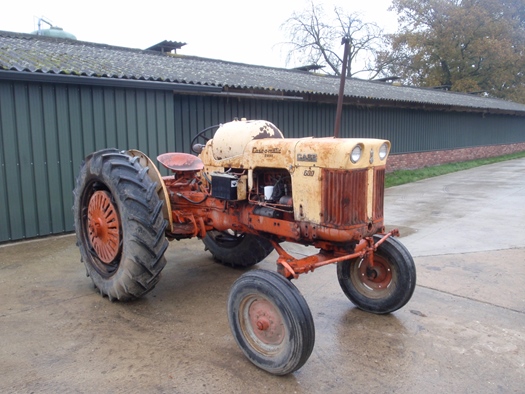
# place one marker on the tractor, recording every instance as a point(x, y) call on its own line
point(246, 192)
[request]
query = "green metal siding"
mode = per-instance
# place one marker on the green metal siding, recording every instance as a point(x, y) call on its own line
point(420, 131)
point(47, 129)
point(45, 132)
point(409, 130)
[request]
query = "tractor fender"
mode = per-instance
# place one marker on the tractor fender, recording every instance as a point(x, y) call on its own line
point(155, 176)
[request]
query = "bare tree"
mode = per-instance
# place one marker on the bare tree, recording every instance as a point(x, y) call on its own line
point(315, 38)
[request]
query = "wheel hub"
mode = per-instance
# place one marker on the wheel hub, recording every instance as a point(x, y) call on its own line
point(266, 322)
point(103, 226)
point(376, 276)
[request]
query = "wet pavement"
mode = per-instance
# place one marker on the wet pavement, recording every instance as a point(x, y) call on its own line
point(463, 330)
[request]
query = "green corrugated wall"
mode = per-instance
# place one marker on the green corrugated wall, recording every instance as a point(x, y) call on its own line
point(45, 132)
point(409, 130)
point(47, 129)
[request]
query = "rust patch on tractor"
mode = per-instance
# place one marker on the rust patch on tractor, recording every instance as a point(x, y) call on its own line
point(268, 130)
point(344, 197)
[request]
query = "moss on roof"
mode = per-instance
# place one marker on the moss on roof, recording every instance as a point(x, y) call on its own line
point(30, 53)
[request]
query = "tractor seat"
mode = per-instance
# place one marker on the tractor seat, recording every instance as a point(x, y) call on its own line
point(180, 162)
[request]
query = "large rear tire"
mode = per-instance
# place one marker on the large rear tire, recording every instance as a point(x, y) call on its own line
point(385, 286)
point(119, 225)
point(271, 321)
point(237, 250)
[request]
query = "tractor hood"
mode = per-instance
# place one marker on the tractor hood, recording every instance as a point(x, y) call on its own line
point(251, 144)
point(334, 153)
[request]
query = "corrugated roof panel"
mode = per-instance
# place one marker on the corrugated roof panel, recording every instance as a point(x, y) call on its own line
point(30, 53)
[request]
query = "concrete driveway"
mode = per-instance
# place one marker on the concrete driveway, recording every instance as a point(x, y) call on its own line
point(463, 330)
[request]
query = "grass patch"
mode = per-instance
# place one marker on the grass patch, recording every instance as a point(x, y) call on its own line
point(406, 176)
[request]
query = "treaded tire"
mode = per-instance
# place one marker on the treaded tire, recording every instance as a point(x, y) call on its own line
point(126, 263)
point(384, 288)
point(244, 250)
point(271, 321)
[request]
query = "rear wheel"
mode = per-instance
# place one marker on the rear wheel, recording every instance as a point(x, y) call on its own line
point(119, 225)
point(238, 250)
point(271, 321)
point(383, 287)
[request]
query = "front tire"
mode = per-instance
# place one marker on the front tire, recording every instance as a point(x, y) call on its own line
point(237, 250)
point(271, 321)
point(384, 287)
point(119, 225)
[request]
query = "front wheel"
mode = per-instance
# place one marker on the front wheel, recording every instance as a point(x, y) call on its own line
point(384, 286)
point(271, 321)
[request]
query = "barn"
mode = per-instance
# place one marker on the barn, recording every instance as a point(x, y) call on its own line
point(61, 99)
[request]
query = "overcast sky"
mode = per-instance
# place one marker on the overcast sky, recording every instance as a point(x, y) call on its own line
point(234, 30)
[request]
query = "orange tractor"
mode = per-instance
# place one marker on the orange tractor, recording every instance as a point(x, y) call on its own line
point(248, 192)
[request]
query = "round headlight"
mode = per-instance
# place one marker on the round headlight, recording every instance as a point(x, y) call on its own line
point(356, 154)
point(383, 151)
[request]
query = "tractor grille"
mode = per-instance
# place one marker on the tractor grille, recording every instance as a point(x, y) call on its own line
point(344, 197)
point(379, 193)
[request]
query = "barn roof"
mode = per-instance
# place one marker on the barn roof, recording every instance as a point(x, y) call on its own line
point(28, 53)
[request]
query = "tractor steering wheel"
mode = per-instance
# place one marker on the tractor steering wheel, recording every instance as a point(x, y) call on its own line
point(197, 148)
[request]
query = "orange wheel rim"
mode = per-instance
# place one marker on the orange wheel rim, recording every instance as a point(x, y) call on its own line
point(266, 322)
point(378, 276)
point(103, 226)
